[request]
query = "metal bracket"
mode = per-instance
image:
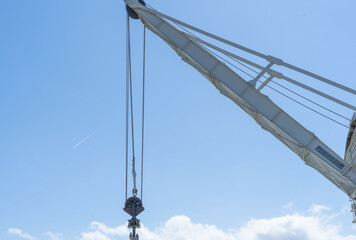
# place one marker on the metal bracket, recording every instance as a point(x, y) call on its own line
point(254, 81)
point(134, 223)
point(265, 83)
point(274, 60)
point(275, 74)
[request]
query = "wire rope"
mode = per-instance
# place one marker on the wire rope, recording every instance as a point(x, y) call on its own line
point(143, 103)
point(309, 100)
point(127, 103)
point(239, 62)
point(130, 99)
point(258, 54)
point(305, 98)
point(308, 107)
point(288, 89)
point(296, 101)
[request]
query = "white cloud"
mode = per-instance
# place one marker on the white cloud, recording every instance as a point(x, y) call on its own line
point(315, 224)
point(120, 230)
point(18, 232)
point(97, 235)
point(53, 236)
point(291, 227)
point(181, 227)
point(318, 209)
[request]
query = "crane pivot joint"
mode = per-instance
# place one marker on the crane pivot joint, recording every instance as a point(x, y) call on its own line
point(130, 5)
point(275, 74)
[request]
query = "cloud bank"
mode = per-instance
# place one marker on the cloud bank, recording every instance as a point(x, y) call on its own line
point(19, 233)
point(315, 224)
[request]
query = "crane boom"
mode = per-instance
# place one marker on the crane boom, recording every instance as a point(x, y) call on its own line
point(266, 113)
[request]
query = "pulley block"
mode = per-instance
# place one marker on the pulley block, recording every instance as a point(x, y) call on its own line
point(134, 206)
point(131, 12)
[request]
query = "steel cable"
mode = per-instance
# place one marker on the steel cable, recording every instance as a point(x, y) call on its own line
point(296, 101)
point(127, 102)
point(305, 98)
point(130, 99)
point(143, 104)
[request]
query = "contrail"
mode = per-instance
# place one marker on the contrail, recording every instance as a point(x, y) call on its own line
point(84, 139)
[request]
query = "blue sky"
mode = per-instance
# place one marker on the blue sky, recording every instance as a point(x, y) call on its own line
point(62, 79)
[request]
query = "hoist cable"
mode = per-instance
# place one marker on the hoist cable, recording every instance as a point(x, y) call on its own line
point(134, 190)
point(143, 103)
point(127, 102)
point(131, 102)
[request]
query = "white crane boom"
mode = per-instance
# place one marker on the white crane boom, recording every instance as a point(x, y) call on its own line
point(266, 113)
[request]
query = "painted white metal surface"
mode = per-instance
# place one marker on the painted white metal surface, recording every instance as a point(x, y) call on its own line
point(350, 155)
point(267, 114)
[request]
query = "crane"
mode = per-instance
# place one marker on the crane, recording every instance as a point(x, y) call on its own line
point(201, 56)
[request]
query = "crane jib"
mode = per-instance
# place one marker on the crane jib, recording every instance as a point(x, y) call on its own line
point(266, 113)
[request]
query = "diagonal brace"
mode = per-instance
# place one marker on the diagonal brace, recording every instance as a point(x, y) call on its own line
point(265, 83)
point(254, 81)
